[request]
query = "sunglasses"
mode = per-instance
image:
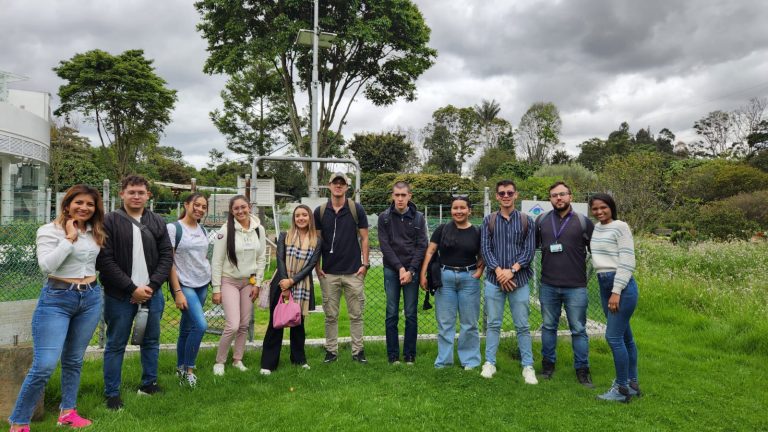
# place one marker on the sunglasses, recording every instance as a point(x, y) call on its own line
point(506, 193)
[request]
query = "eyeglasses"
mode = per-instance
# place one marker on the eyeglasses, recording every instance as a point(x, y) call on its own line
point(559, 194)
point(506, 193)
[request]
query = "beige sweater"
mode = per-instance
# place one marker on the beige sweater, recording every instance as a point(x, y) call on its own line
point(250, 249)
point(613, 250)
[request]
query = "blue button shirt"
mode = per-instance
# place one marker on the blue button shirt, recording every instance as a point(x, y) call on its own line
point(508, 246)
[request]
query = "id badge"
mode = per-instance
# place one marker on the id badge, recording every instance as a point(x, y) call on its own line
point(556, 247)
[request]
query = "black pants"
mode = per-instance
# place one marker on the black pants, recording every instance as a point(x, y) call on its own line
point(273, 339)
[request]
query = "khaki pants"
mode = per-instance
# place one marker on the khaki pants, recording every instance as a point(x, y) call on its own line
point(353, 288)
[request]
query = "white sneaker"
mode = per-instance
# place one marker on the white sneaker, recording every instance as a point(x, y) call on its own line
point(218, 369)
point(530, 375)
point(469, 368)
point(264, 371)
point(488, 370)
point(305, 366)
point(240, 365)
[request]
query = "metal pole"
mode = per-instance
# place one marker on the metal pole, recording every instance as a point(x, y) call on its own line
point(441, 213)
point(486, 202)
point(313, 189)
point(193, 185)
point(48, 206)
point(105, 194)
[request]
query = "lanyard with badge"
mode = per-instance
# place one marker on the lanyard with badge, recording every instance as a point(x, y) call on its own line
point(557, 247)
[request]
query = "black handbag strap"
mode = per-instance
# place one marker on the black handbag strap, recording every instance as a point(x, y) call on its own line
point(142, 228)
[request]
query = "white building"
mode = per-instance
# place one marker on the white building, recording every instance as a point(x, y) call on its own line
point(25, 140)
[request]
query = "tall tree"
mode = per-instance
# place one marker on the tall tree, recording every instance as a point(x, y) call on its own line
point(561, 157)
point(380, 51)
point(487, 112)
point(594, 153)
point(716, 131)
point(255, 114)
point(129, 104)
point(381, 153)
point(71, 157)
point(454, 132)
point(750, 122)
point(538, 133)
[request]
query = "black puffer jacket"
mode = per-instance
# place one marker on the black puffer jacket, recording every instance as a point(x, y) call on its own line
point(116, 257)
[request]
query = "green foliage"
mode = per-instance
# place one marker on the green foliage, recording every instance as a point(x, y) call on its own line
point(754, 205)
point(255, 115)
point(288, 176)
point(759, 160)
point(516, 170)
point(165, 163)
point(717, 179)
point(716, 130)
point(73, 160)
point(539, 132)
point(720, 221)
point(490, 162)
point(381, 153)
point(637, 184)
point(381, 50)
point(535, 187)
point(579, 178)
point(452, 137)
point(594, 153)
point(121, 95)
point(428, 189)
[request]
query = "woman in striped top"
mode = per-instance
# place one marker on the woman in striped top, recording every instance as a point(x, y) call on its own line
point(613, 257)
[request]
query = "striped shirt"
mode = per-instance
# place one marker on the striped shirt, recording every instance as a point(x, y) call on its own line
point(508, 246)
point(613, 250)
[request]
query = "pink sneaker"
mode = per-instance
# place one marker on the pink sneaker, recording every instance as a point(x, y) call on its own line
point(20, 429)
point(73, 419)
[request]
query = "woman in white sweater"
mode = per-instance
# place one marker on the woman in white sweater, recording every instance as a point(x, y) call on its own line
point(237, 265)
point(613, 257)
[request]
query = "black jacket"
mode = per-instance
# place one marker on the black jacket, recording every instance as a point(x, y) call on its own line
point(116, 257)
point(402, 238)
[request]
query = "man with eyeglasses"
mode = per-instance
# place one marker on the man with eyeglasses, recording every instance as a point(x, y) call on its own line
point(342, 223)
point(508, 243)
point(563, 236)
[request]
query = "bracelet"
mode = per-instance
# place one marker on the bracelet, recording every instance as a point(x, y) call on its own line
point(177, 290)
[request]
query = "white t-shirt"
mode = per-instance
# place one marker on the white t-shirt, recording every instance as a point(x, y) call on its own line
point(139, 272)
point(191, 258)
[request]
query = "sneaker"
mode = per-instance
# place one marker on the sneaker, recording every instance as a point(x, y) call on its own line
point(73, 420)
point(305, 366)
point(394, 361)
point(265, 371)
point(149, 389)
point(469, 368)
point(488, 370)
point(547, 369)
point(191, 379)
point(330, 357)
point(359, 357)
point(24, 428)
point(114, 403)
point(410, 360)
point(584, 377)
point(634, 389)
point(530, 375)
point(180, 372)
point(616, 393)
point(240, 366)
point(218, 369)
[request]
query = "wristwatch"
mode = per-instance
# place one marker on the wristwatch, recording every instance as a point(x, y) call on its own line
point(513, 270)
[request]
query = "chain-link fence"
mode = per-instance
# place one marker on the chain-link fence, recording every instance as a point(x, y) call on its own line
point(21, 279)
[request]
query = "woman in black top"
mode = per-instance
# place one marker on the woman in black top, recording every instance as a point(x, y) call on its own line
point(458, 245)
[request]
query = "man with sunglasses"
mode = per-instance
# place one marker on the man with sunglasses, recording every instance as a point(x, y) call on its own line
point(508, 245)
point(563, 236)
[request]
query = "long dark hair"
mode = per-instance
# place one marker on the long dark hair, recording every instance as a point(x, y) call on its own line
point(96, 221)
point(450, 231)
point(608, 200)
point(231, 229)
point(191, 199)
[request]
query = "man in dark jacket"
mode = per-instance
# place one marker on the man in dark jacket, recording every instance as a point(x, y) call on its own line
point(133, 265)
point(403, 241)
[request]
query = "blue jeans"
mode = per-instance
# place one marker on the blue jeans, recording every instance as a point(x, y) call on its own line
point(575, 302)
point(192, 327)
point(118, 314)
point(618, 333)
point(460, 293)
point(410, 301)
point(62, 325)
point(519, 306)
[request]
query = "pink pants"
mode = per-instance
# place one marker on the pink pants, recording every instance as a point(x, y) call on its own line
point(238, 309)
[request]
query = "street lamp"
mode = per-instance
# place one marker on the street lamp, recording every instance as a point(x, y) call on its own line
point(318, 40)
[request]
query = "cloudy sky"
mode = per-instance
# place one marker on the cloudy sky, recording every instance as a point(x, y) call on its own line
point(656, 63)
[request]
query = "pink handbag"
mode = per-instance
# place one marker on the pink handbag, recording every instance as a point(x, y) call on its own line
point(286, 314)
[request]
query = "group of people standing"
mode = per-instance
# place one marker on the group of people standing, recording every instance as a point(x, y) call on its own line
point(135, 252)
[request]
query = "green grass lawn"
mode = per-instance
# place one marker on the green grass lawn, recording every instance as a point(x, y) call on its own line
point(701, 333)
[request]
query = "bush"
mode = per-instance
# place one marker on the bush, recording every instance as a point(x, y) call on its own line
point(719, 221)
point(718, 179)
point(754, 205)
point(428, 189)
